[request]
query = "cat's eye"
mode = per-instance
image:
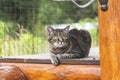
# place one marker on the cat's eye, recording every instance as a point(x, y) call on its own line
point(53, 39)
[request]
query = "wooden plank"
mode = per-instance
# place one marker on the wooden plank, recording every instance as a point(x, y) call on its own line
point(61, 72)
point(109, 35)
point(82, 61)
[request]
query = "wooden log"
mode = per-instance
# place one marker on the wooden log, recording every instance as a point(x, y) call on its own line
point(11, 73)
point(61, 72)
point(109, 35)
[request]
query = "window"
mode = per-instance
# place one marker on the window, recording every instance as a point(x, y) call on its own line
point(23, 27)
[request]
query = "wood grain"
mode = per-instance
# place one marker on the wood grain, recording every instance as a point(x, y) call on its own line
point(62, 72)
point(11, 73)
point(109, 39)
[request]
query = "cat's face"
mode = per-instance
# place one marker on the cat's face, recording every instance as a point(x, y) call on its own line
point(58, 37)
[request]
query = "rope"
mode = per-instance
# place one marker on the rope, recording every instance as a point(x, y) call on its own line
point(83, 6)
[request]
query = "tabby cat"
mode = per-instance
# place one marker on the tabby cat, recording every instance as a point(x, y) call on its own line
point(68, 44)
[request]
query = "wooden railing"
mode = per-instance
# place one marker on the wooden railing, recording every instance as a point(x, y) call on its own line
point(42, 69)
point(61, 72)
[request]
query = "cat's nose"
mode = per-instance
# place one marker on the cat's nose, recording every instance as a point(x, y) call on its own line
point(60, 39)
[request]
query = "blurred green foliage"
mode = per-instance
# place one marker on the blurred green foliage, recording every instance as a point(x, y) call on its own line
point(2, 26)
point(22, 23)
point(25, 43)
point(93, 31)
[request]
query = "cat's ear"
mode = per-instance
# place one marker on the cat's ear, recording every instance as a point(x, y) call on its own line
point(66, 29)
point(50, 30)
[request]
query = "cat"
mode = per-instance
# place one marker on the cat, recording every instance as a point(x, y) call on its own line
point(68, 44)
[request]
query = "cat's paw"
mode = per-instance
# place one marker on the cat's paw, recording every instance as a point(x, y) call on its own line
point(55, 61)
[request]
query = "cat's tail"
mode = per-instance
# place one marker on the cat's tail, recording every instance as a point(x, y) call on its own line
point(84, 40)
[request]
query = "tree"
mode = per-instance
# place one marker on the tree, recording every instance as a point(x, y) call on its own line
point(29, 13)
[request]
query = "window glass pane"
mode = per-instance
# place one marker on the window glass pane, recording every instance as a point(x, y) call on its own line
point(23, 24)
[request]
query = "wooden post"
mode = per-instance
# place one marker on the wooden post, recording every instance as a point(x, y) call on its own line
point(109, 39)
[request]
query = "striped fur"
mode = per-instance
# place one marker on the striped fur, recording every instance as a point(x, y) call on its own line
point(68, 44)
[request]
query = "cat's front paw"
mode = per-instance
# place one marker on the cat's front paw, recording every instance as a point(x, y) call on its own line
point(55, 61)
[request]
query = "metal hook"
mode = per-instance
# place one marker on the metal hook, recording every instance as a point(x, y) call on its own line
point(103, 4)
point(83, 6)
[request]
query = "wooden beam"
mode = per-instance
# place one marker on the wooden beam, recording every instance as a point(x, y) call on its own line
point(109, 35)
point(61, 72)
